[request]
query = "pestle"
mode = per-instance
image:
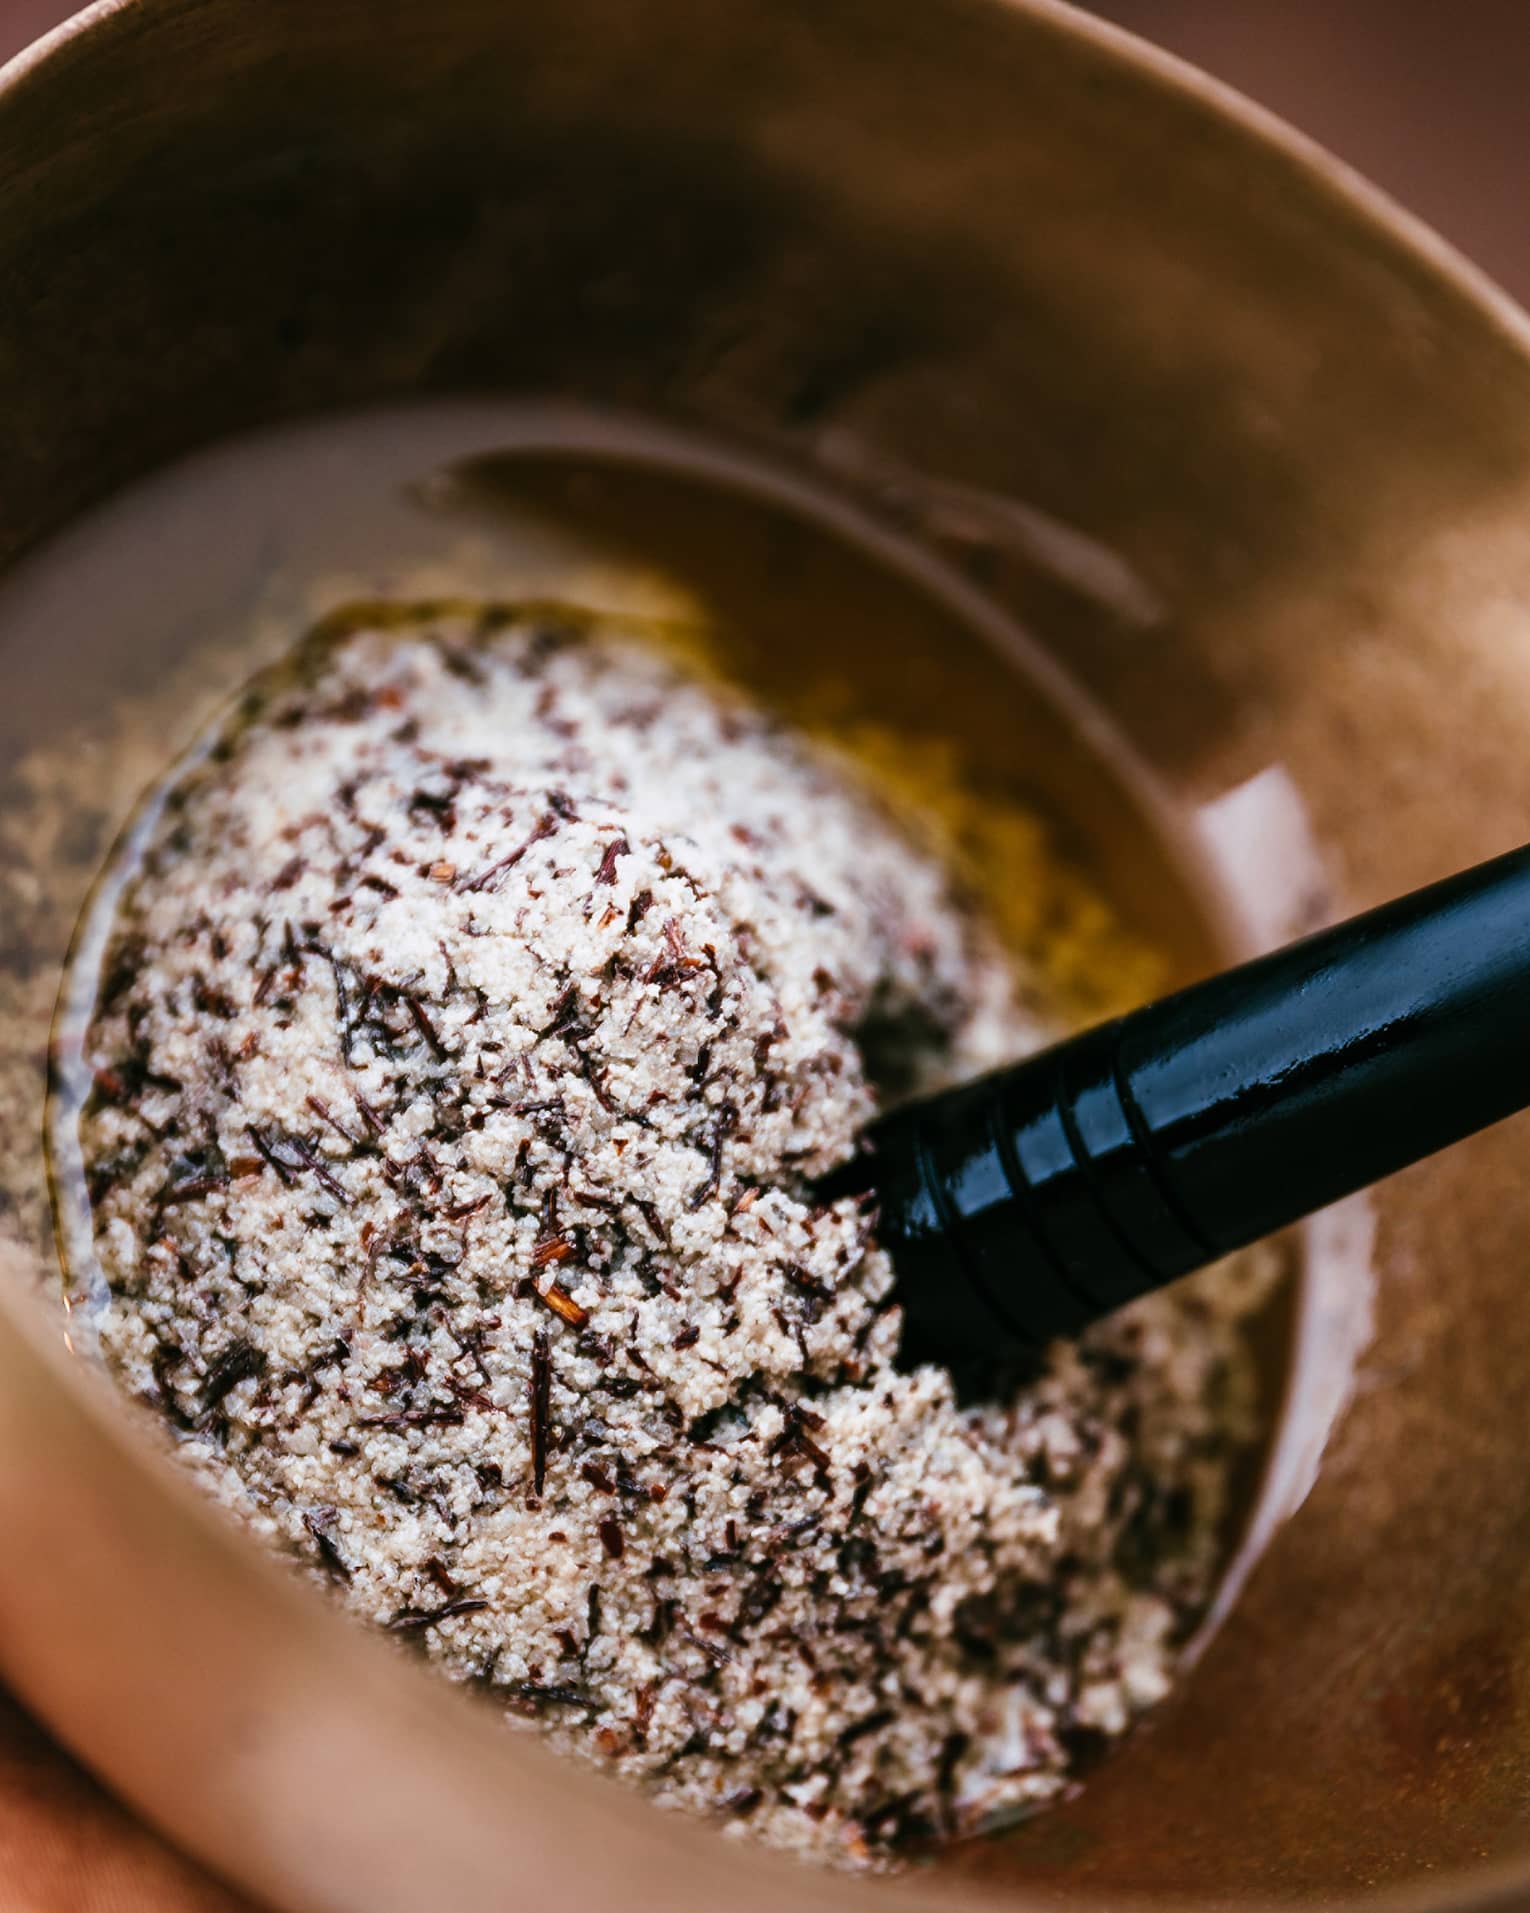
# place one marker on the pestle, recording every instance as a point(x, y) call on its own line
point(1032, 1201)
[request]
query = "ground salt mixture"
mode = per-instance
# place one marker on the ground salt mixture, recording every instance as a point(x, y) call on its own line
point(485, 1003)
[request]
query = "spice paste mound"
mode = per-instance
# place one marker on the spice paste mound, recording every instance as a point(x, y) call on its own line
point(479, 1013)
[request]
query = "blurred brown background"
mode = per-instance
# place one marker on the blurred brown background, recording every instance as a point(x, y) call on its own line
point(1427, 99)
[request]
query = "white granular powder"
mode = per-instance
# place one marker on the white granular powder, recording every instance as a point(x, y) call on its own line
point(483, 1007)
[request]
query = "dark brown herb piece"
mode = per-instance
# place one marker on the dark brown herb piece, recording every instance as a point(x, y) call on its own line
point(618, 847)
point(239, 1362)
point(488, 879)
point(320, 1524)
point(409, 1618)
point(424, 1025)
point(539, 1387)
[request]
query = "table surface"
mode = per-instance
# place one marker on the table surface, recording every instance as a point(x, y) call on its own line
point(1428, 101)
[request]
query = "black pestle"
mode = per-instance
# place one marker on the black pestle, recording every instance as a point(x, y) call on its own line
point(1031, 1202)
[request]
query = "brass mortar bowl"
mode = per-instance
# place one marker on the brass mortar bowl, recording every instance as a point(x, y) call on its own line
point(1247, 448)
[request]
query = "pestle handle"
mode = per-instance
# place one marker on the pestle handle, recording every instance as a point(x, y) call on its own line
point(1032, 1201)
